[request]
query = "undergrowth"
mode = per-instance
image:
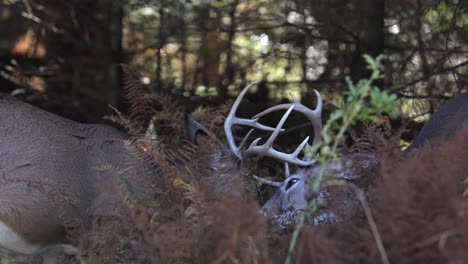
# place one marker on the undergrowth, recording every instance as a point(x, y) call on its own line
point(418, 204)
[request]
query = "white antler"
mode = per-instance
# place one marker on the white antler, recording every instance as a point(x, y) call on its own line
point(268, 182)
point(232, 120)
point(267, 148)
point(314, 116)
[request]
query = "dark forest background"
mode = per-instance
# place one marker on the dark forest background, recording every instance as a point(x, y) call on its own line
point(64, 56)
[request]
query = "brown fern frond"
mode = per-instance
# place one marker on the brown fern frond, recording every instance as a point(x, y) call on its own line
point(377, 137)
point(138, 96)
point(122, 121)
point(419, 212)
point(168, 121)
point(213, 118)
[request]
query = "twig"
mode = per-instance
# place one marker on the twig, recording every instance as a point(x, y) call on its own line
point(370, 219)
point(367, 211)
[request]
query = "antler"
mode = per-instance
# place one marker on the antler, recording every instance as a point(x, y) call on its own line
point(268, 182)
point(276, 184)
point(232, 120)
point(314, 116)
point(267, 148)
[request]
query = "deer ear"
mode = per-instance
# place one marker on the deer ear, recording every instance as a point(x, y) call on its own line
point(193, 129)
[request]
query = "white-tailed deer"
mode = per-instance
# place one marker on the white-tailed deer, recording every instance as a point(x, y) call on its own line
point(49, 172)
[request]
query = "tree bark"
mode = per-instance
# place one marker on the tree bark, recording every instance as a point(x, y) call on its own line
point(115, 85)
point(374, 38)
point(212, 47)
point(229, 74)
point(161, 42)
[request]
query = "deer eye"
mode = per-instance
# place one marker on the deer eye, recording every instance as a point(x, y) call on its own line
point(291, 183)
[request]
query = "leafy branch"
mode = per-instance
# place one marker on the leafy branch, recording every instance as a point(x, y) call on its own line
point(364, 102)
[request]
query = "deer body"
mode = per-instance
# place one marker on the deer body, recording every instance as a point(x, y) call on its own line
point(444, 123)
point(49, 170)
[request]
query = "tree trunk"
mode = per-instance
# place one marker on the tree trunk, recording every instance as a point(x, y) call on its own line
point(115, 85)
point(229, 74)
point(161, 41)
point(212, 47)
point(374, 37)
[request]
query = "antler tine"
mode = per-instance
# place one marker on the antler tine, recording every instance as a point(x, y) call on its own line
point(244, 140)
point(232, 120)
point(273, 136)
point(268, 182)
point(274, 183)
point(268, 150)
point(314, 116)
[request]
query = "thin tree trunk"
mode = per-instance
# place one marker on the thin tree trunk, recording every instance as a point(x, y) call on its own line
point(115, 85)
point(229, 75)
point(422, 54)
point(211, 46)
point(161, 41)
point(374, 37)
point(183, 49)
